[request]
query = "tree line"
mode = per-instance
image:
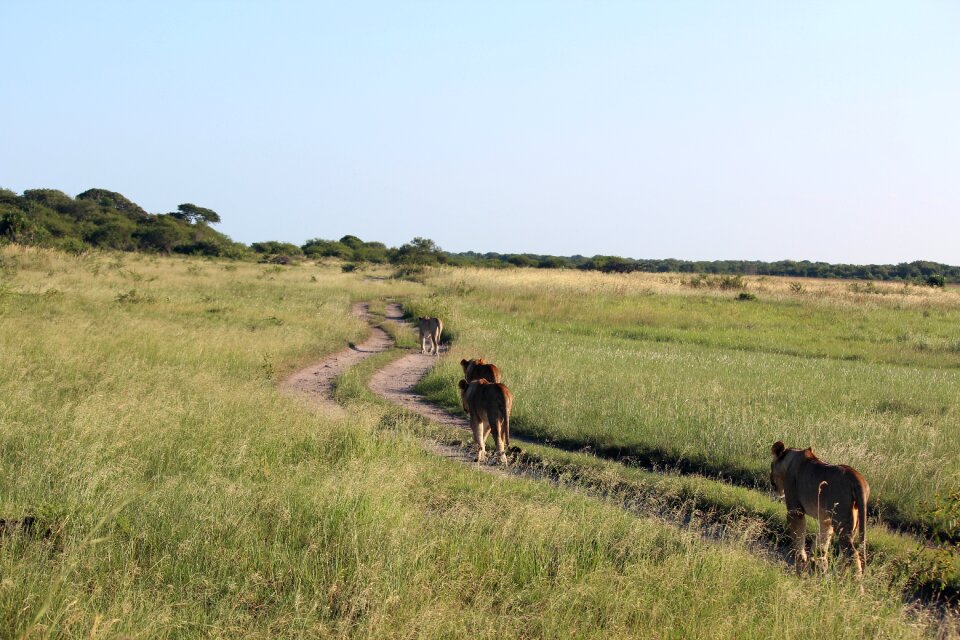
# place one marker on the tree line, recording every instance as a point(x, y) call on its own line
point(425, 252)
point(103, 219)
point(98, 218)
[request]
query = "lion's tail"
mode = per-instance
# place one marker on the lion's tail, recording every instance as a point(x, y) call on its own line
point(860, 498)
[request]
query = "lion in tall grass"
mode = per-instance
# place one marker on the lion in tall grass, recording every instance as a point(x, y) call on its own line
point(834, 494)
point(480, 369)
point(430, 330)
point(488, 405)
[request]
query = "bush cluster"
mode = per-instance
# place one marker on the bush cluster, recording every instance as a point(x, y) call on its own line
point(103, 219)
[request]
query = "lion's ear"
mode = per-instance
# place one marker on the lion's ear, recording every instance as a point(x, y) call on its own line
point(462, 384)
point(778, 448)
point(463, 362)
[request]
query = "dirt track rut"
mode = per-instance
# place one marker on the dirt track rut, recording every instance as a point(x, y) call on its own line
point(315, 383)
point(395, 382)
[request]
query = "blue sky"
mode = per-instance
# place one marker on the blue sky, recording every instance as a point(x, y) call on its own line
point(695, 130)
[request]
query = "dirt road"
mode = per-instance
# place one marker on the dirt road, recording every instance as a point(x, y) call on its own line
point(315, 383)
point(395, 382)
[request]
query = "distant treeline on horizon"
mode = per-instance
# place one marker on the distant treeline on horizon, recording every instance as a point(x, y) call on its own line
point(102, 219)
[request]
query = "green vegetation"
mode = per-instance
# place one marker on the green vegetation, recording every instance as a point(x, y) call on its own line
point(425, 252)
point(917, 271)
point(178, 493)
point(651, 369)
point(107, 220)
point(719, 509)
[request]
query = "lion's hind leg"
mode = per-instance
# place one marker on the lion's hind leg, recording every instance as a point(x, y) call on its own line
point(480, 437)
point(848, 545)
point(797, 525)
point(500, 435)
point(486, 430)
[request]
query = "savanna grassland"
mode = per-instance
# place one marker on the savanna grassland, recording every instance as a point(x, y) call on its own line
point(178, 493)
point(679, 371)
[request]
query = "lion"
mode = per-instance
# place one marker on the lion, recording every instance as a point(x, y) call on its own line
point(488, 405)
point(430, 329)
point(480, 369)
point(834, 494)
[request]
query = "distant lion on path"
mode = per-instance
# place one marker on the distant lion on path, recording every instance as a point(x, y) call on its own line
point(430, 329)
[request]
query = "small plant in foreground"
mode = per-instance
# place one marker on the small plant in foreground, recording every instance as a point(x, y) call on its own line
point(409, 272)
point(732, 282)
point(133, 297)
point(724, 283)
point(947, 512)
point(73, 246)
point(865, 287)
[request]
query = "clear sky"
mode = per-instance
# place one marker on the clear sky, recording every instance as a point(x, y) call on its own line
point(695, 130)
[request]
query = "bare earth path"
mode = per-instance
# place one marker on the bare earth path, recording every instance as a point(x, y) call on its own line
point(315, 383)
point(395, 382)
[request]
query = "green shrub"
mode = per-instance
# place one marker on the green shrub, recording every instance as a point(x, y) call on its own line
point(16, 227)
point(732, 282)
point(865, 287)
point(76, 246)
point(724, 283)
point(409, 272)
point(936, 280)
point(133, 297)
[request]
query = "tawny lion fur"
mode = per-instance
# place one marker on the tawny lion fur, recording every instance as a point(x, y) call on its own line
point(834, 494)
point(480, 369)
point(430, 329)
point(489, 407)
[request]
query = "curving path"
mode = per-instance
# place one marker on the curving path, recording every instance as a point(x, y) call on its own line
point(315, 383)
point(395, 382)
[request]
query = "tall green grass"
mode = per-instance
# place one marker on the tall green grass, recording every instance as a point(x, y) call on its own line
point(178, 493)
point(588, 368)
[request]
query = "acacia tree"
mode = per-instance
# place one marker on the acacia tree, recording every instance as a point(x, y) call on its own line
point(195, 215)
point(419, 251)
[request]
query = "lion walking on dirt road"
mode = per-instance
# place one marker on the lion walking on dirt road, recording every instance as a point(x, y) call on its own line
point(430, 330)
